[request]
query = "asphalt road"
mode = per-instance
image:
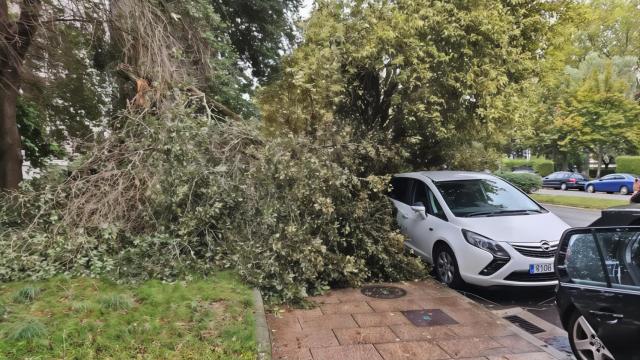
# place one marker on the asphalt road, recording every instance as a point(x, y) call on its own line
point(538, 301)
point(573, 216)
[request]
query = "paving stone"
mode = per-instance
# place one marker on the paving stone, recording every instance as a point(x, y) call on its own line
point(306, 314)
point(414, 350)
point(287, 322)
point(386, 305)
point(524, 356)
point(471, 316)
point(468, 347)
point(368, 335)
point(486, 329)
point(516, 344)
point(443, 302)
point(300, 354)
point(410, 332)
point(346, 308)
point(380, 319)
point(350, 352)
point(334, 321)
point(348, 295)
point(304, 339)
point(330, 297)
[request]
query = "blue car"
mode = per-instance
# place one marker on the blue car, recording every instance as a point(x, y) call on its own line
point(622, 183)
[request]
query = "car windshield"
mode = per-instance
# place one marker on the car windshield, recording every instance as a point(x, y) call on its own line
point(485, 197)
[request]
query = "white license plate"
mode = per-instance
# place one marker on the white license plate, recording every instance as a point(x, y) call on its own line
point(540, 268)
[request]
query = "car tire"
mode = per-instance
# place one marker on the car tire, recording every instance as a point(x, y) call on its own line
point(563, 187)
point(591, 189)
point(624, 190)
point(584, 341)
point(446, 267)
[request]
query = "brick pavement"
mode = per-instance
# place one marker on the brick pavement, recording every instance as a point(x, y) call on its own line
point(349, 325)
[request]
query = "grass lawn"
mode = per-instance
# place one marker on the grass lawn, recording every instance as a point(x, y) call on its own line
point(578, 201)
point(85, 318)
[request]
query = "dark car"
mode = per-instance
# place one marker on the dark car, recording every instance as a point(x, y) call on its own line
point(598, 295)
point(564, 180)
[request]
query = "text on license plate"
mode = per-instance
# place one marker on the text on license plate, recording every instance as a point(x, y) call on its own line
point(540, 268)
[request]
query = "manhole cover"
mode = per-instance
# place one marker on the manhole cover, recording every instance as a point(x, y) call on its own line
point(383, 292)
point(429, 317)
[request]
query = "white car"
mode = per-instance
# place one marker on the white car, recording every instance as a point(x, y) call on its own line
point(476, 228)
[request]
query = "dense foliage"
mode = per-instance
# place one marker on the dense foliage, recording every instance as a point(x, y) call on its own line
point(194, 194)
point(524, 181)
point(628, 164)
point(541, 166)
point(434, 78)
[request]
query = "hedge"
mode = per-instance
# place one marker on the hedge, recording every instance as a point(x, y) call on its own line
point(526, 182)
point(628, 164)
point(541, 166)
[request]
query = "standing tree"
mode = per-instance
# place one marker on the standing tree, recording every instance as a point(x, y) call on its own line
point(600, 115)
point(18, 24)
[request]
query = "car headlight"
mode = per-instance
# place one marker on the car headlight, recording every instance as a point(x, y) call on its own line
point(486, 244)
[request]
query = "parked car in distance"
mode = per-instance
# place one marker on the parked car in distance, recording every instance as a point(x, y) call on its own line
point(598, 294)
point(523, 170)
point(619, 182)
point(476, 228)
point(564, 180)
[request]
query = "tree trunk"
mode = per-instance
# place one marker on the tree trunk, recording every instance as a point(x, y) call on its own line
point(15, 39)
point(599, 163)
point(10, 148)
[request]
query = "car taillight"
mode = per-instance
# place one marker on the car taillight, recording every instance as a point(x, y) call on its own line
point(572, 180)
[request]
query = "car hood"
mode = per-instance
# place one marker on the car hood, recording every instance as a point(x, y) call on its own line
point(516, 228)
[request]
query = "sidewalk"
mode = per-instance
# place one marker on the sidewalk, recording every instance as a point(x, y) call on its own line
point(444, 325)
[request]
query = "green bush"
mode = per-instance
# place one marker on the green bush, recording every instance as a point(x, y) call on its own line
point(541, 166)
point(628, 164)
point(177, 193)
point(526, 182)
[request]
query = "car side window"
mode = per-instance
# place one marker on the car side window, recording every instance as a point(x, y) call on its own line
point(420, 194)
point(583, 261)
point(621, 251)
point(434, 207)
point(401, 189)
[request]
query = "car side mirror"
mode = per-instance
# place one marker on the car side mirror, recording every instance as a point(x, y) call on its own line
point(420, 209)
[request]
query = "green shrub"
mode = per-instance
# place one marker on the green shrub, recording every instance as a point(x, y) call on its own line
point(525, 182)
point(26, 294)
point(116, 302)
point(177, 193)
point(541, 166)
point(27, 330)
point(628, 164)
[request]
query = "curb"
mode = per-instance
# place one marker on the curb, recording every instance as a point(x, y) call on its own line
point(263, 339)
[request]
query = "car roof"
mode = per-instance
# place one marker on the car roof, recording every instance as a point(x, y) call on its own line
point(449, 175)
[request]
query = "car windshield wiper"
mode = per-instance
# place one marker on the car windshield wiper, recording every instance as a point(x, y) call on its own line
point(502, 212)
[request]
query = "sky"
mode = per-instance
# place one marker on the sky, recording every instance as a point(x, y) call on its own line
point(305, 10)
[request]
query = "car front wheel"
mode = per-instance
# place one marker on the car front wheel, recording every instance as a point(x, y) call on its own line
point(584, 341)
point(624, 190)
point(591, 189)
point(446, 267)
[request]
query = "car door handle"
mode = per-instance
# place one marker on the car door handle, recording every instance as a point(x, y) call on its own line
point(430, 229)
point(404, 216)
point(610, 318)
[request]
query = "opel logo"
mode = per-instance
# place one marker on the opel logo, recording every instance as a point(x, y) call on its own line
point(545, 245)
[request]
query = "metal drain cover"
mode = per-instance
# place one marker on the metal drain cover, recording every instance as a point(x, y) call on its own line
point(383, 292)
point(429, 317)
point(524, 324)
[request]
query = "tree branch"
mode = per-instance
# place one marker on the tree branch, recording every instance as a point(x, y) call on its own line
point(27, 26)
